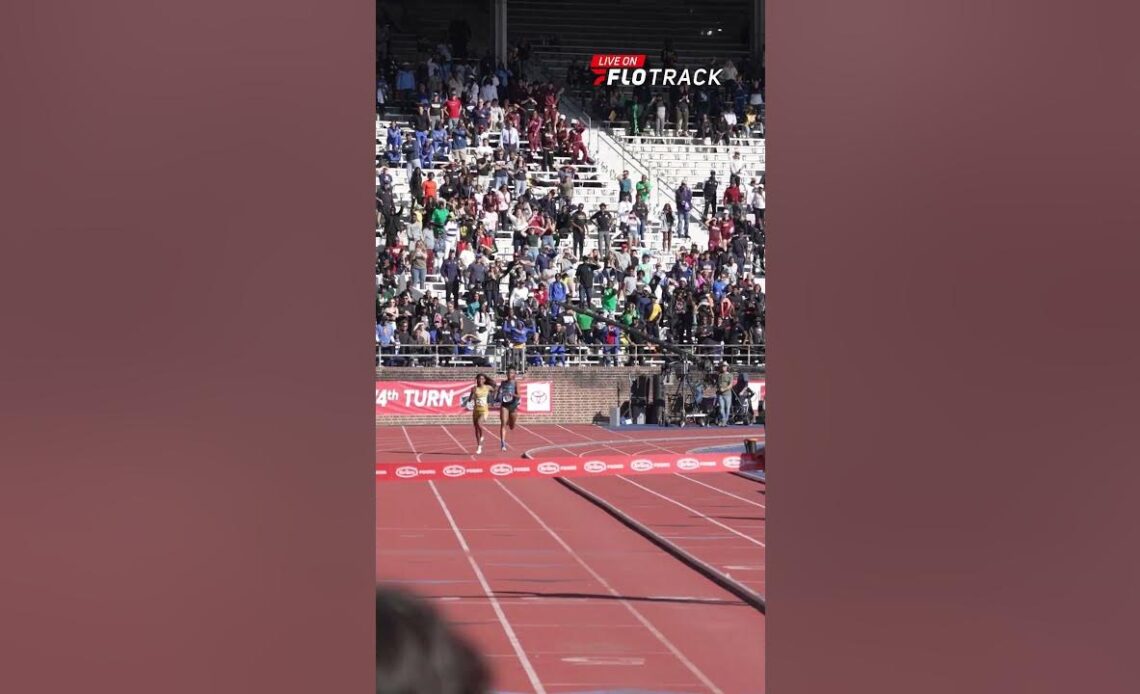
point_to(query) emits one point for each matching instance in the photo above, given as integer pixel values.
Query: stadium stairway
(595, 184)
(675, 159)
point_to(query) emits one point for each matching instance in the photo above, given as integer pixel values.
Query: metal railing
(612, 149)
(609, 153)
(559, 355)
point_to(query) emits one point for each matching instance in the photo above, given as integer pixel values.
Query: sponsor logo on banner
(688, 463)
(564, 466)
(594, 466)
(538, 397)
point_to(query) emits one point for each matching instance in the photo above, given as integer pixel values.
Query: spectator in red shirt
(713, 225)
(727, 228)
(487, 240)
(577, 146)
(550, 102)
(431, 188)
(533, 130)
(454, 108)
(733, 197)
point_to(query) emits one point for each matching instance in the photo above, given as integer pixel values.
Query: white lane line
(655, 445)
(722, 491)
(536, 435)
(691, 510)
(663, 444)
(470, 530)
(457, 443)
(724, 438)
(511, 636)
(588, 438)
(625, 603)
(488, 429)
(410, 445)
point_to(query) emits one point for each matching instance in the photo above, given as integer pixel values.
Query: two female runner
(506, 395)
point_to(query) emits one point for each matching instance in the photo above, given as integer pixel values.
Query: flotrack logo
(616, 68)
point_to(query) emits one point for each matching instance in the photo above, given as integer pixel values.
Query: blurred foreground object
(417, 653)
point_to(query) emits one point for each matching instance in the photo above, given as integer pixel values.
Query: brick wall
(580, 395)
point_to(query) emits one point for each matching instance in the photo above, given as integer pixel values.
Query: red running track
(563, 598)
(402, 445)
(718, 518)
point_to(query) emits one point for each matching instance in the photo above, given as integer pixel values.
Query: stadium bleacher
(734, 271)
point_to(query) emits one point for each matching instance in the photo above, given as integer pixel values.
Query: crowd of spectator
(467, 153)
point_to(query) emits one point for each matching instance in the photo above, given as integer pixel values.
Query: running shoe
(479, 449)
(503, 446)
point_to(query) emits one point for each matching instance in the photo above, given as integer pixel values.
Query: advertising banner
(566, 466)
(447, 397)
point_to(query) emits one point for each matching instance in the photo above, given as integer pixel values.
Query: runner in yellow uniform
(480, 398)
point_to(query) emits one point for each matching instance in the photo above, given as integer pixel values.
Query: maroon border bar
(186, 420)
(186, 417)
(953, 365)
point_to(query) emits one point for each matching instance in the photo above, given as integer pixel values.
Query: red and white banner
(446, 397)
(754, 462)
(513, 468)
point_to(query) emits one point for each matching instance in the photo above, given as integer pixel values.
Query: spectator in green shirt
(439, 218)
(643, 188)
(627, 316)
(609, 299)
(585, 322)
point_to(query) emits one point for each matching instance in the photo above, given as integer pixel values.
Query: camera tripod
(686, 395)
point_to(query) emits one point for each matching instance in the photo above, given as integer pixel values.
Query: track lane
(552, 572)
(690, 611)
(576, 632)
(417, 549)
(429, 443)
(565, 620)
(726, 532)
